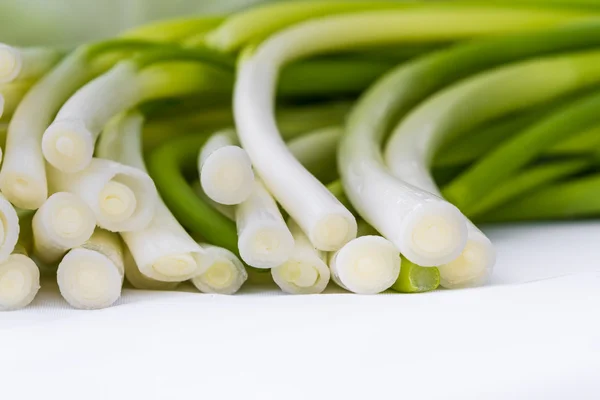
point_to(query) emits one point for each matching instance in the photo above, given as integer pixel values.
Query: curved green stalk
(336, 77)
(402, 89)
(173, 30)
(567, 200)
(167, 165)
(257, 77)
(584, 142)
(527, 181)
(479, 141)
(259, 22)
(416, 279)
(499, 166)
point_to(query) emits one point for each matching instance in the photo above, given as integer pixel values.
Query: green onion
(305, 271)
(577, 198)
(527, 181)
(327, 223)
(225, 170)
(225, 275)
(91, 276)
(166, 165)
(64, 221)
(25, 63)
(264, 240)
(567, 72)
(416, 279)
(260, 22)
(178, 257)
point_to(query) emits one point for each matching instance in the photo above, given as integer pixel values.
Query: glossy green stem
(167, 166)
(527, 181)
(566, 200)
(259, 22)
(416, 279)
(498, 167)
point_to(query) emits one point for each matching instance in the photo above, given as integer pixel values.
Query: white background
(533, 334)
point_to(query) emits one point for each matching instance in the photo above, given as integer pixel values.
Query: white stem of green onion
(225, 275)
(123, 198)
(264, 240)
(225, 169)
(63, 222)
(326, 221)
(68, 143)
(23, 174)
(474, 265)
(141, 281)
(91, 276)
(25, 62)
(19, 282)
(366, 265)
(328, 224)
(305, 271)
(163, 250)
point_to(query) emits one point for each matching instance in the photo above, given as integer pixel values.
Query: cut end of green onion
(266, 245)
(176, 267)
(227, 175)
(10, 63)
(366, 265)
(436, 233)
(333, 231)
(416, 279)
(126, 198)
(225, 275)
(19, 282)
(68, 146)
(473, 267)
(24, 191)
(302, 275)
(64, 220)
(88, 279)
(117, 201)
(141, 281)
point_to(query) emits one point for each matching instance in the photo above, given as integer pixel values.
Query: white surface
(533, 334)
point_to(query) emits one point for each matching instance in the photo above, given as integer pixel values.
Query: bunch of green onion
(296, 143)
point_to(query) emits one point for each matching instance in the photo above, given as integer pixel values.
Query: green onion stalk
(23, 176)
(384, 103)
(326, 222)
(162, 250)
(499, 166)
(443, 115)
(572, 199)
